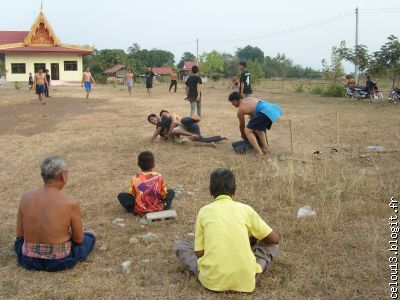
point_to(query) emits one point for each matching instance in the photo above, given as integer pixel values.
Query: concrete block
(161, 215)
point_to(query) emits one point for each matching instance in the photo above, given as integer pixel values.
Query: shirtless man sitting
(87, 80)
(170, 125)
(50, 234)
(262, 114)
(40, 83)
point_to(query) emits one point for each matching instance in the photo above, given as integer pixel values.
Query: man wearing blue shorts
(87, 80)
(40, 83)
(262, 114)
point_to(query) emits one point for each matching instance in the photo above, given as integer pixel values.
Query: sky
(304, 30)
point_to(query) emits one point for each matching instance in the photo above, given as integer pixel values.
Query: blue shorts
(260, 122)
(88, 86)
(129, 83)
(40, 89)
(79, 252)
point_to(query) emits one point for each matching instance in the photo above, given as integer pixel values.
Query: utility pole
(355, 65)
(197, 50)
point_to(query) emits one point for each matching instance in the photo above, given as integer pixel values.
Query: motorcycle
(394, 96)
(361, 93)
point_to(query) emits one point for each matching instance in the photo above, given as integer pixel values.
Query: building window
(39, 66)
(18, 68)
(70, 65)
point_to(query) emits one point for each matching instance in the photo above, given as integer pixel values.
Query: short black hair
(146, 160)
(195, 69)
(163, 111)
(222, 182)
(151, 116)
(235, 96)
(243, 63)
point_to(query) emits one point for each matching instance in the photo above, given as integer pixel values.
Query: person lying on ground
(262, 114)
(50, 235)
(148, 191)
(171, 126)
(233, 245)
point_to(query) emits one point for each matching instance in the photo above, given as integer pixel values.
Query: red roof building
(187, 65)
(162, 70)
(29, 51)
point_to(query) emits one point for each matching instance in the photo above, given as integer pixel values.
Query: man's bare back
(248, 106)
(46, 216)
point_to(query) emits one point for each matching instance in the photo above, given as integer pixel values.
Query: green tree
(212, 64)
(187, 56)
(231, 63)
(151, 58)
(358, 55)
(386, 61)
(250, 53)
(333, 70)
(256, 70)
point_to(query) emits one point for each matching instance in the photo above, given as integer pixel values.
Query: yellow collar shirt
(223, 228)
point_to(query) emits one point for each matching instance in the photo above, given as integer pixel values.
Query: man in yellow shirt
(232, 243)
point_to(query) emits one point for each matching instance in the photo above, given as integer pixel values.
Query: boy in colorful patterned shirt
(148, 191)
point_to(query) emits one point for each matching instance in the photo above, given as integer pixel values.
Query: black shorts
(149, 85)
(260, 122)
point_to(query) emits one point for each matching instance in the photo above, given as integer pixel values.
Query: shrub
(17, 86)
(299, 88)
(335, 90)
(216, 76)
(318, 90)
(100, 78)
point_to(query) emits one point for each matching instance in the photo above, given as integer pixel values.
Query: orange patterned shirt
(149, 190)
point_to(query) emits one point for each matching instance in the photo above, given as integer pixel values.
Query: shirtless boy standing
(87, 80)
(40, 81)
(262, 114)
(129, 80)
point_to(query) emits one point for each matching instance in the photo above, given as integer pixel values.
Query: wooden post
(291, 137)
(337, 129)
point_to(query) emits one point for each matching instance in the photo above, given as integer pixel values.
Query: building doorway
(39, 66)
(55, 72)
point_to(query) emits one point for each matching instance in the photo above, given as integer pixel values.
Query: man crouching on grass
(223, 256)
(262, 114)
(50, 234)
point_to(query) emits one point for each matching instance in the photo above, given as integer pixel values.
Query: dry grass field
(341, 253)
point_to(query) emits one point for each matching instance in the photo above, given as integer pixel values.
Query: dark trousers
(173, 83)
(191, 125)
(79, 252)
(46, 93)
(128, 201)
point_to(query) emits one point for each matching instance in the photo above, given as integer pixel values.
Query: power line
(288, 31)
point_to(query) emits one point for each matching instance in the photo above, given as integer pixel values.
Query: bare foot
(224, 138)
(196, 117)
(193, 137)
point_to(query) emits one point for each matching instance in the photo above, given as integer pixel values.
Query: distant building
(162, 70)
(29, 51)
(116, 73)
(187, 69)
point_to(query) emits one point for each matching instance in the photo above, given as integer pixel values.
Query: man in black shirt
(193, 91)
(149, 80)
(245, 85)
(30, 82)
(47, 85)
